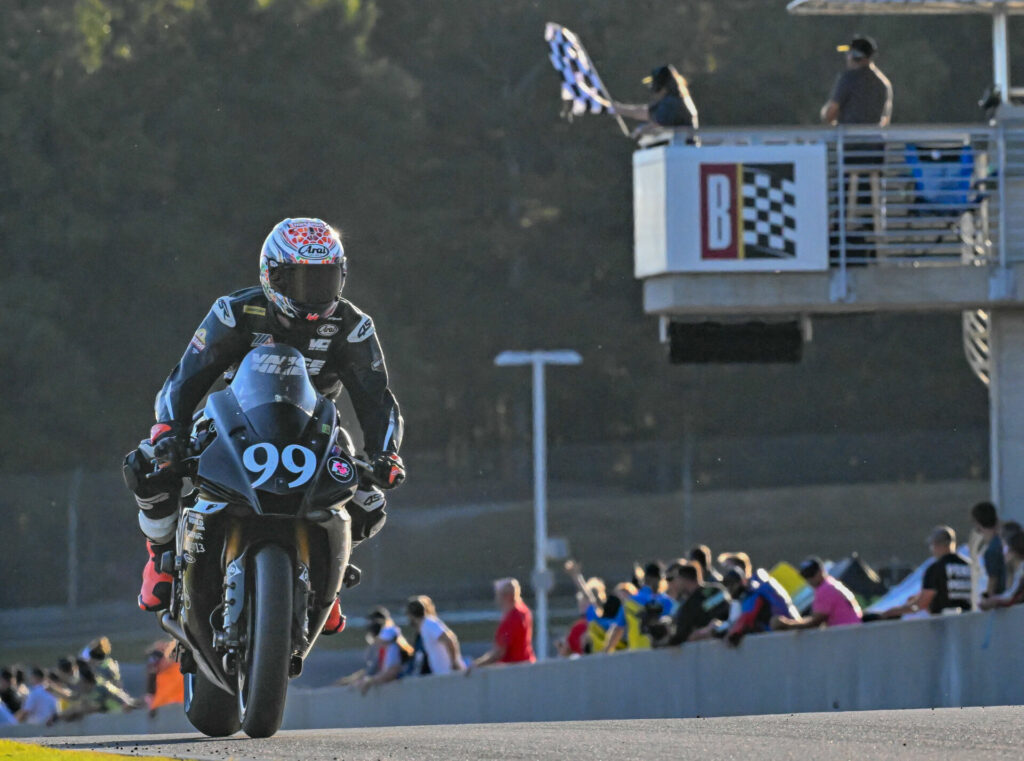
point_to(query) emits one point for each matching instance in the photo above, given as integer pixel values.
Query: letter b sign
(718, 193)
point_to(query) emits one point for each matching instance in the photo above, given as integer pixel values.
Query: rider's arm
(217, 344)
(365, 376)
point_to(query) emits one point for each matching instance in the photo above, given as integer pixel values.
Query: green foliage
(150, 144)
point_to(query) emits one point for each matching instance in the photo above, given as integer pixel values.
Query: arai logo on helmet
(314, 251)
(339, 469)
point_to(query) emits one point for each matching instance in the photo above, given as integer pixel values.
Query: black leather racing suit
(341, 351)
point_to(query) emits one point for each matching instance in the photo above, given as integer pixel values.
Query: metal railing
(903, 196)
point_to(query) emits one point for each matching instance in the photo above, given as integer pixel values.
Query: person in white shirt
(439, 642)
(40, 707)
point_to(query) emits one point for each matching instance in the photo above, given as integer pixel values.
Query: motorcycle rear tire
(261, 699)
(209, 709)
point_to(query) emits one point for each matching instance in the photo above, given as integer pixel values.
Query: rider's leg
(366, 509)
(158, 500)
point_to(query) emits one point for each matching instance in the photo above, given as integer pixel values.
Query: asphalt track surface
(955, 733)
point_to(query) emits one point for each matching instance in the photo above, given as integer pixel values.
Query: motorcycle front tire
(261, 697)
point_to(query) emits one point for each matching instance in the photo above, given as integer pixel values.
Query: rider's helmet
(303, 268)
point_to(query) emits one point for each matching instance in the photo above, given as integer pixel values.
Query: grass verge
(12, 751)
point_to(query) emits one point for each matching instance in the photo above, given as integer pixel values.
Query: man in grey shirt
(862, 94)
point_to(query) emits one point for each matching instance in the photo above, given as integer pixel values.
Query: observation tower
(742, 236)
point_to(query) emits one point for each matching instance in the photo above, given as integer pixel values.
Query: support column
(1006, 412)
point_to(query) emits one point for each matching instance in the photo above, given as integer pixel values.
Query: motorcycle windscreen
(274, 391)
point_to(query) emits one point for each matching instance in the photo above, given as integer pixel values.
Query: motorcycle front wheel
(263, 672)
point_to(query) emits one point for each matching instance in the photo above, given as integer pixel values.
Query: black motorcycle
(262, 543)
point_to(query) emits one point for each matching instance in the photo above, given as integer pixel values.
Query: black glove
(141, 477)
(167, 446)
(387, 470)
(152, 468)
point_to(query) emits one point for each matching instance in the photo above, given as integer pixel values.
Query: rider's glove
(388, 470)
(166, 445)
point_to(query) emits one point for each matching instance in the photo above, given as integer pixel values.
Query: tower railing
(907, 196)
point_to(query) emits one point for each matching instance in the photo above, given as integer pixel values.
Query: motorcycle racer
(298, 303)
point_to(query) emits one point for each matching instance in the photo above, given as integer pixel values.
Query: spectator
(862, 94)
(40, 707)
(700, 603)
(834, 604)
(598, 611)
(987, 552)
(1008, 529)
(66, 685)
(761, 599)
(165, 684)
(6, 717)
(9, 694)
(947, 581)
(671, 104)
(647, 604)
(1014, 594)
(440, 644)
(390, 651)
(587, 599)
(101, 696)
(101, 662)
(514, 637)
(701, 554)
(738, 560)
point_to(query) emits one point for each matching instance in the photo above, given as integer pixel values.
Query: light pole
(542, 580)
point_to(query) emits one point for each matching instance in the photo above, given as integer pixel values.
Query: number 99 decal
(263, 459)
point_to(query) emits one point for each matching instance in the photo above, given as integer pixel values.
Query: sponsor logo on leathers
(223, 311)
(327, 330)
(362, 331)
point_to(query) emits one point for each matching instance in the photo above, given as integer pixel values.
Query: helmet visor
(308, 283)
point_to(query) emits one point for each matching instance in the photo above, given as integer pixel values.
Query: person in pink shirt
(834, 604)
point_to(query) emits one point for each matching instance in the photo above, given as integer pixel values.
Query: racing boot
(156, 586)
(335, 623)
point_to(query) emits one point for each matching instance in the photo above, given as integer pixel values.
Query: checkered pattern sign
(582, 89)
(769, 211)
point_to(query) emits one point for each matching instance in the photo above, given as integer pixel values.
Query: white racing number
(263, 459)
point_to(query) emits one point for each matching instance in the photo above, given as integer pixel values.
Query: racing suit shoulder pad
(247, 301)
(356, 324)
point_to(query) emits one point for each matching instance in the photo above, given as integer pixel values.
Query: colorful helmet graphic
(303, 268)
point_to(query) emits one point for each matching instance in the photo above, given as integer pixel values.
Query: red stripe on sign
(719, 211)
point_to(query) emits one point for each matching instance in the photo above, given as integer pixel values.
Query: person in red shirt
(514, 637)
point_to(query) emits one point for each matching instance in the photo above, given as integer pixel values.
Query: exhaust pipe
(172, 627)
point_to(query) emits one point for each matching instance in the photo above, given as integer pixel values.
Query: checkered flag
(769, 211)
(582, 89)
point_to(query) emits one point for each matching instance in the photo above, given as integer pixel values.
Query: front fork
(231, 638)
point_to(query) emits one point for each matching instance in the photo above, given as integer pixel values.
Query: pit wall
(968, 660)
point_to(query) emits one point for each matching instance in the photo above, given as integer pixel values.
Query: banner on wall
(730, 209)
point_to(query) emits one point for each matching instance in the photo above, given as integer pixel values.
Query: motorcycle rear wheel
(209, 709)
(263, 674)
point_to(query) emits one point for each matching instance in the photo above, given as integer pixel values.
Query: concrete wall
(974, 659)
